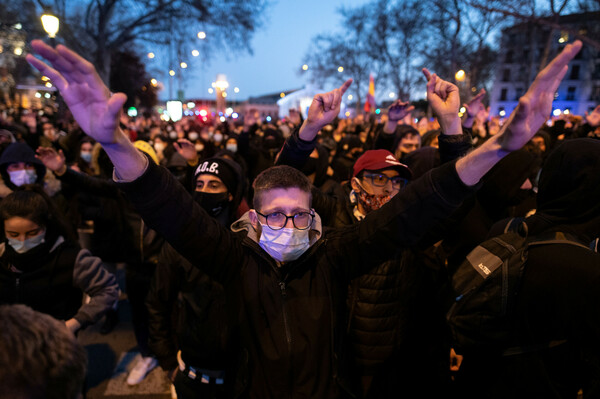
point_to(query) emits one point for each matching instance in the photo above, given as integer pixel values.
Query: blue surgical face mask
(23, 176)
(86, 156)
(284, 245)
(21, 247)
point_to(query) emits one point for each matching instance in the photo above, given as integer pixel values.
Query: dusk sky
(279, 47)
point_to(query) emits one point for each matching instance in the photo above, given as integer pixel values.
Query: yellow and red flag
(370, 102)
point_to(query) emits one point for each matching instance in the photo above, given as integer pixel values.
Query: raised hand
(187, 150)
(535, 106)
(323, 110)
(593, 118)
(398, 110)
(55, 161)
(444, 99)
(88, 98)
(475, 105)
(294, 116)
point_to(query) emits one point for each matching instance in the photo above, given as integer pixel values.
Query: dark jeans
(137, 281)
(194, 389)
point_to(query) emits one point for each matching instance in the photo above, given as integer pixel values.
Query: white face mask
(218, 137)
(23, 176)
(231, 147)
(193, 136)
(159, 147)
(284, 245)
(21, 247)
(173, 135)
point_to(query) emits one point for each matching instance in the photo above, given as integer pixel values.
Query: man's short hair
(281, 176)
(39, 356)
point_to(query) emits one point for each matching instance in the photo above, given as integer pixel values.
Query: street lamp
(50, 24)
(460, 76)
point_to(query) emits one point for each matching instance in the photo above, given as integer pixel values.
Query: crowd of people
(302, 257)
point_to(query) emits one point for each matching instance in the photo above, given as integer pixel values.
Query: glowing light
(222, 119)
(201, 35)
(392, 95)
(462, 110)
(460, 75)
(556, 112)
(378, 111)
(38, 95)
(566, 111)
(132, 112)
(191, 104)
(341, 69)
(172, 72)
(236, 89)
(347, 113)
(48, 84)
(224, 94)
(473, 89)
(47, 95)
(229, 111)
(203, 112)
(165, 117)
(235, 115)
(195, 53)
(221, 82)
(502, 112)
(350, 97)
(18, 51)
(18, 26)
(305, 67)
(183, 65)
(50, 24)
(151, 55)
(268, 118)
(561, 40)
(282, 95)
(45, 78)
(210, 91)
(154, 82)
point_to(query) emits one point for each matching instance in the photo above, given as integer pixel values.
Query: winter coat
(55, 278)
(291, 315)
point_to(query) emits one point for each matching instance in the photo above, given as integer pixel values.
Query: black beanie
(220, 168)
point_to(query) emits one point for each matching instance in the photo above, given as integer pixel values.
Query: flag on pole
(370, 102)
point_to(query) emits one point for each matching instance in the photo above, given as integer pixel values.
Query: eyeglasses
(380, 180)
(278, 220)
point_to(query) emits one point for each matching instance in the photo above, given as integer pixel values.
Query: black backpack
(486, 286)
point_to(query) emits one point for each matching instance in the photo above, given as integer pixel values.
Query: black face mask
(212, 203)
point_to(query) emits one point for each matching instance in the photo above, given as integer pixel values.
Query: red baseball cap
(379, 160)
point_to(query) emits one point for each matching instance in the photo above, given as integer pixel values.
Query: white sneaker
(141, 369)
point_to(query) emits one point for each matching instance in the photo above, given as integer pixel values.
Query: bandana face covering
(371, 202)
(284, 245)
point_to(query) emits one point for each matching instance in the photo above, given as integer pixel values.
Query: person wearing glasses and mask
(289, 304)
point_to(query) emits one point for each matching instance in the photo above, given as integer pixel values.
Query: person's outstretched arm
(93, 106)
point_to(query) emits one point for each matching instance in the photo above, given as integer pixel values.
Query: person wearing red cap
(377, 176)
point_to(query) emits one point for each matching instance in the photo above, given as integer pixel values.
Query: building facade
(523, 47)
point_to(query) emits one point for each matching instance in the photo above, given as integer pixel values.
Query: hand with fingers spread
(88, 98)
(92, 105)
(473, 108)
(535, 106)
(593, 118)
(323, 110)
(55, 161)
(444, 99)
(187, 150)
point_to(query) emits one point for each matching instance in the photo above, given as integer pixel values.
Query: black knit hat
(221, 168)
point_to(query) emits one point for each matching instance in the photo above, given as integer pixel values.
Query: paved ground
(111, 356)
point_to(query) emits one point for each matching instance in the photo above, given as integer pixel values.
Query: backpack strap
(517, 225)
(557, 237)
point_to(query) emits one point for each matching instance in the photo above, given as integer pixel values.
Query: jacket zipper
(285, 317)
